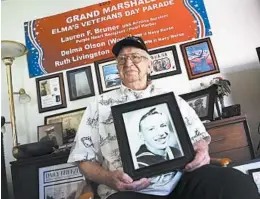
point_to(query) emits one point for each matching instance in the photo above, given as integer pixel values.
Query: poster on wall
(85, 35)
(60, 181)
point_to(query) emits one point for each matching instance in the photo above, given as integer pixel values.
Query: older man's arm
(202, 157)
(198, 134)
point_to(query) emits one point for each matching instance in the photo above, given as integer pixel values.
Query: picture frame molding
(88, 71)
(176, 62)
(186, 60)
(62, 93)
(124, 147)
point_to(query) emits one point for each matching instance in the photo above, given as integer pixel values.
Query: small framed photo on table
(107, 75)
(202, 102)
(199, 58)
(152, 136)
(165, 62)
(50, 132)
(255, 173)
(80, 83)
(50, 93)
(70, 122)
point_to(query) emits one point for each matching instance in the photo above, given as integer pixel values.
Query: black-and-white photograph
(65, 190)
(80, 83)
(151, 133)
(200, 105)
(70, 122)
(52, 132)
(203, 102)
(152, 136)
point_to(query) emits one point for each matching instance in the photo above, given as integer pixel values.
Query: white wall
(236, 34)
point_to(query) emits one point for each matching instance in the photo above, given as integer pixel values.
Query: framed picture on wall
(70, 122)
(152, 125)
(165, 62)
(203, 102)
(107, 75)
(50, 132)
(50, 93)
(199, 58)
(80, 83)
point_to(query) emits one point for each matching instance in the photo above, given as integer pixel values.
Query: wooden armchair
(91, 189)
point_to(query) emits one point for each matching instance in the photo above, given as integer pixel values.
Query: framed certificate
(50, 93)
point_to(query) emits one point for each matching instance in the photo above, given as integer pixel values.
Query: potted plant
(223, 88)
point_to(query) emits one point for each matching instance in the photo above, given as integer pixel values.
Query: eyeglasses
(135, 58)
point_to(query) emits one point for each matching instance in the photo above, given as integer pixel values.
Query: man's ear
(140, 135)
(150, 66)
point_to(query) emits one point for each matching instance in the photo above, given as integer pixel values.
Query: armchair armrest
(87, 195)
(224, 162)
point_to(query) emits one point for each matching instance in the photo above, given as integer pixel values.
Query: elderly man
(100, 160)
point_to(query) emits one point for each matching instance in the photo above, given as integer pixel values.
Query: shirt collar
(137, 93)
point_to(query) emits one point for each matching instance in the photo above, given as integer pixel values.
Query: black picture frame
(109, 81)
(165, 62)
(255, 173)
(50, 93)
(86, 81)
(179, 138)
(70, 122)
(57, 135)
(206, 97)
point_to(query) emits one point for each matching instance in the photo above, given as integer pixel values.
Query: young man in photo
(155, 132)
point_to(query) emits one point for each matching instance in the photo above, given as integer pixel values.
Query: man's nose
(128, 61)
(162, 133)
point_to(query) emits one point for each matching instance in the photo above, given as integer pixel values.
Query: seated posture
(97, 154)
(155, 132)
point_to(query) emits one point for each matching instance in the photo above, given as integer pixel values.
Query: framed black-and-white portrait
(107, 75)
(50, 92)
(70, 122)
(50, 132)
(152, 136)
(202, 102)
(165, 62)
(80, 83)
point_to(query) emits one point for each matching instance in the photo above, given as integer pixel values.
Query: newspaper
(63, 181)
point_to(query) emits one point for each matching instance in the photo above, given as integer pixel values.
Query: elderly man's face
(129, 70)
(155, 131)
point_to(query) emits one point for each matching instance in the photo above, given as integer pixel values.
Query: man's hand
(201, 158)
(120, 181)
